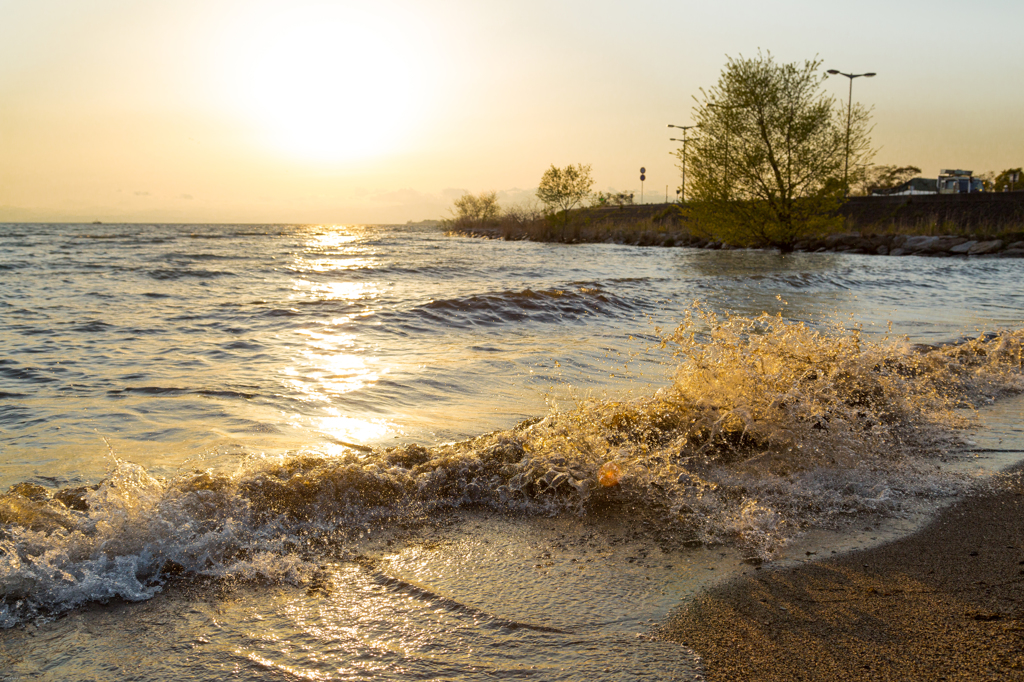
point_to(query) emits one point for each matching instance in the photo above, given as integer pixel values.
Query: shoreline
(945, 603)
(870, 244)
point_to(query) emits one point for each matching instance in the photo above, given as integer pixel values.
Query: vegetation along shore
(979, 225)
(771, 161)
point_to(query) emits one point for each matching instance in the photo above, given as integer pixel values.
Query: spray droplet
(609, 474)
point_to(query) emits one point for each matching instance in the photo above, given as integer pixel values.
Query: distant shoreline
(942, 245)
(987, 225)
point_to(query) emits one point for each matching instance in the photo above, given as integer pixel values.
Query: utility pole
(682, 189)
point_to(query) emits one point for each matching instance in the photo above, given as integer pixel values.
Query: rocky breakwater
(916, 245)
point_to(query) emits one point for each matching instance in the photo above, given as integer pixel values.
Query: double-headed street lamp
(682, 188)
(849, 113)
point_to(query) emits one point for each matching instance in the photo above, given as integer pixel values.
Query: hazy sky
(384, 111)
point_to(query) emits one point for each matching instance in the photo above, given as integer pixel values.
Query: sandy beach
(946, 603)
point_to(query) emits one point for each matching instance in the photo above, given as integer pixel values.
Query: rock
(897, 252)
(947, 243)
(836, 241)
(927, 244)
(1015, 245)
(981, 248)
(918, 243)
(1012, 253)
(963, 248)
(898, 241)
(882, 250)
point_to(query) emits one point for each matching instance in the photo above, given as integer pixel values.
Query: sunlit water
(247, 397)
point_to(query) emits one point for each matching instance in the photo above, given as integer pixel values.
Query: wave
(768, 428)
(166, 274)
(556, 305)
(176, 390)
(541, 305)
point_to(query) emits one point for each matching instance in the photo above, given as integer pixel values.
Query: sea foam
(770, 427)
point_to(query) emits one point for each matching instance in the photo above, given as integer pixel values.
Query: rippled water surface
(175, 341)
(215, 405)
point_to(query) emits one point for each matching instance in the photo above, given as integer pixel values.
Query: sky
(317, 111)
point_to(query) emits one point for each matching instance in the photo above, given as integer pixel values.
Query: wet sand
(946, 603)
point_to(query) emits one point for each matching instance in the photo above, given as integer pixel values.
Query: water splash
(769, 427)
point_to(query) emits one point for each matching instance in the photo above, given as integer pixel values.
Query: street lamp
(682, 189)
(849, 113)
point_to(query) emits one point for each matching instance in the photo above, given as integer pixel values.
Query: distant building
(948, 182)
(959, 182)
(915, 186)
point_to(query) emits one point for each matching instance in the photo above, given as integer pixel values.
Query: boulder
(897, 252)
(963, 248)
(1015, 245)
(947, 243)
(981, 248)
(928, 244)
(837, 241)
(882, 250)
(918, 243)
(1012, 253)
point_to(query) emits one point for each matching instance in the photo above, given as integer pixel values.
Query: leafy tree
(475, 211)
(765, 167)
(988, 180)
(562, 189)
(619, 199)
(1003, 180)
(880, 179)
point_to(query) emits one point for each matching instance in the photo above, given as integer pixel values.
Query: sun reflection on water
(329, 363)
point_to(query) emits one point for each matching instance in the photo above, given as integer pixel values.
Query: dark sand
(946, 603)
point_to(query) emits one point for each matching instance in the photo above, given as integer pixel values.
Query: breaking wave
(769, 427)
(543, 305)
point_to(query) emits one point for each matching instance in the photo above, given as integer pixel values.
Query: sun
(323, 82)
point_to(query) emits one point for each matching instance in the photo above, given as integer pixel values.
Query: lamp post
(682, 189)
(849, 114)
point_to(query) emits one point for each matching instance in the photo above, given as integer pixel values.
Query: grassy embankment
(873, 221)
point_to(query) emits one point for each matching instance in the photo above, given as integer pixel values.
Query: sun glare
(323, 83)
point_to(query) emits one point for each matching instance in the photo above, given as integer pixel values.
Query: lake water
(342, 452)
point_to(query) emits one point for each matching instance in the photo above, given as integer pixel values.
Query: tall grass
(579, 227)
